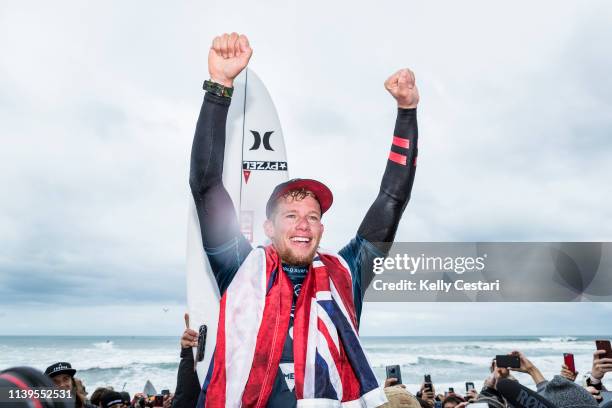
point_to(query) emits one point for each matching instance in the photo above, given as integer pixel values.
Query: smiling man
(293, 309)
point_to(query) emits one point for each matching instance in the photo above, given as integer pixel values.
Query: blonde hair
(297, 194)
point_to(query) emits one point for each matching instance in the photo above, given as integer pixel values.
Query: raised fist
(228, 56)
(403, 88)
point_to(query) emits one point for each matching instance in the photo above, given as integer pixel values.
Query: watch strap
(218, 89)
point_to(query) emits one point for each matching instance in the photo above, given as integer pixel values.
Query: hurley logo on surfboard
(258, 139)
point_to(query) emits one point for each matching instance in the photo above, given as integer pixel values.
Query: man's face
(295, 229)
(63, 381)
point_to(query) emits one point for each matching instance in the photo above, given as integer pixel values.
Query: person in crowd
(423, 403)
(565, 393)
(471, 395)
(452, 401)
(80, 388)
(97, 394)
(601, 366)
(187, 382)
(126, 397)
(559, 391)
(489, 393)
(139, 400)
(428, 395)
(27, 378)
(62, 375)
(112, 399)
(399, 397)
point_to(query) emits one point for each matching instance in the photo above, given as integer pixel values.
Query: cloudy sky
(98, 102)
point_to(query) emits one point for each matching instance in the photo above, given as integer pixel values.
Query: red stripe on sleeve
(398, 158)
(398, 141)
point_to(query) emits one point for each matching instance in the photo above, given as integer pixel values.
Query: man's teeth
(300, 239)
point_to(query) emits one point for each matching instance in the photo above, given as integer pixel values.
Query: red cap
(323, 194)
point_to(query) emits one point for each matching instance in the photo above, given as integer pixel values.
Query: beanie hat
(110, 399)
(567, 394)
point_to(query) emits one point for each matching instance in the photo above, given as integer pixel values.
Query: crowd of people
(562, 391)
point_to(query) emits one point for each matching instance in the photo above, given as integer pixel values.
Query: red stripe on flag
(333, 350)
(398, 141)
(215, 397)
(398, 158)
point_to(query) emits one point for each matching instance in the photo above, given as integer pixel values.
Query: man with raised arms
(293, 309)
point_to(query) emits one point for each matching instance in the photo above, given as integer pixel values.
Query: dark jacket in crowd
(187, 384)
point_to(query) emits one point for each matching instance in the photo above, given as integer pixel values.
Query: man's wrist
(402, 106)
(594, 380)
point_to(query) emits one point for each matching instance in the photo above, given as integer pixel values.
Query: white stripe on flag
(244, 306)
(317, 264)
(311, 349)
(324, 295)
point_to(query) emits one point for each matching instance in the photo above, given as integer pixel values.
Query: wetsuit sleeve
(380, 223)
(223, 242)
(187, 384)
(378, 228)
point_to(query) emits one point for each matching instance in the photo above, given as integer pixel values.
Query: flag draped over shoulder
(331, 368)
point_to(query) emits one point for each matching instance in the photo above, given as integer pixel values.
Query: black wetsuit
(226, 247)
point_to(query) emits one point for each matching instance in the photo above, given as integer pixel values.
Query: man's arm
(227, 57)
(381, 221)
(187, 384)
(378, 228)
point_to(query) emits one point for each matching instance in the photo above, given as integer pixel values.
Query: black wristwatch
(218, 89)
(597, 386)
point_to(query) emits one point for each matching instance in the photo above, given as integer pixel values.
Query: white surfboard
(255, 162)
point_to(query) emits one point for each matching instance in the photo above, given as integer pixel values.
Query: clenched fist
(403, 88)
(228, 56)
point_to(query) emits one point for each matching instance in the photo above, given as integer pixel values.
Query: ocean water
(128, 362)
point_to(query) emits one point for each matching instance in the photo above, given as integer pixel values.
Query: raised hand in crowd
(567, 373)
(391, 382)
(471, 395)
(168, 400)
(601, 365)
(190, 337)
(428, 395)
(139, 396)
(496, 374)
(528, 367)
